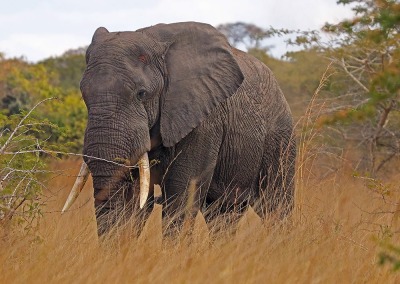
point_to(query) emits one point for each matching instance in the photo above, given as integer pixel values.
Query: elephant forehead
(126, 43)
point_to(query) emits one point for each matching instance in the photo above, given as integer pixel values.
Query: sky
(38, 29)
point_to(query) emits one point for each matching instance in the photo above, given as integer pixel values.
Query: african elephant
(212, 116)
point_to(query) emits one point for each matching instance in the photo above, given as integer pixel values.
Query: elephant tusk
(144, 179)
(77, 188)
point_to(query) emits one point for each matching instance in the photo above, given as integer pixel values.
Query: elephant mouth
(144, 180)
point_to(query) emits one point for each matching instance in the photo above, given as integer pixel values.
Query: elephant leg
(235, 181)
(221, 218)
(277, 176)
(189, 174)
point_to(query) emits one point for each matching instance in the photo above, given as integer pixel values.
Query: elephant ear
(99, 33)
(201, 72)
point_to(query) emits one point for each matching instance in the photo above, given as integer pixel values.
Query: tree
(250, 35)
(23, 84)
(31, 132)
(69, 68)
(22, 167)
(364, 105)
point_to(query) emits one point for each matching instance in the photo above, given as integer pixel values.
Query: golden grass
(333, 237)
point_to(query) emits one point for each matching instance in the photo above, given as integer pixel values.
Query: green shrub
(23, 166)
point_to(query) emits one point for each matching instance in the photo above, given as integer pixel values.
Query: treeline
(22, 85)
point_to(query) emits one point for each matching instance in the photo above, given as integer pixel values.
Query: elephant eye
(141, 95)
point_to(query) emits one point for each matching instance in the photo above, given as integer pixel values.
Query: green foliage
(24, 83)
(375, 20)
(23, 167)
(69, 69)
(370, 42)
(363, 95)
(366, 52)
(31, 134)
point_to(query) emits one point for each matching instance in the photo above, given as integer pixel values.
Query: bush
(23, 166)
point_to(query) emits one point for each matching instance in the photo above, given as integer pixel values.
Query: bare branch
(383, 119)
(69, 154)
(343, 64)
(20, 124)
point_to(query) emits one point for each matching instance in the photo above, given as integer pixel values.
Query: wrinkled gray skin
(209, 113)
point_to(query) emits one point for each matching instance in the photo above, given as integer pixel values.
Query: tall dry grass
(334, 238)
(335, 235)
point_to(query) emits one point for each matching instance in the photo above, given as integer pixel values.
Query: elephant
(212, 117)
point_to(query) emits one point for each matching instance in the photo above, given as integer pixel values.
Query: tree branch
(343, 64)
(20, 124)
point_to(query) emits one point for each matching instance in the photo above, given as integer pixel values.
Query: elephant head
(149, 88)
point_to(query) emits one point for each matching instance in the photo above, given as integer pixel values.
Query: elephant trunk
(116, 138)
(117, 135)
(144, 179)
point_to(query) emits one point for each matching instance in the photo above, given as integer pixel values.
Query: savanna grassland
(340, 226)
(345, 99)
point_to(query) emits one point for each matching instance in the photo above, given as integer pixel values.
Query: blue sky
(36, 29)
